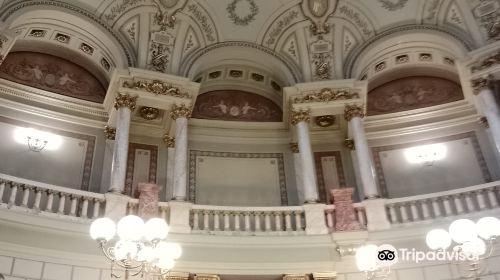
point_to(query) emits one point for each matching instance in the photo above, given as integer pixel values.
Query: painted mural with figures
(412, 93)
(234, 105)
(53, 74)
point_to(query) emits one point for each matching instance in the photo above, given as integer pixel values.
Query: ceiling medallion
(149, 113)
(238, 20)
(393, 6)
(324, 121)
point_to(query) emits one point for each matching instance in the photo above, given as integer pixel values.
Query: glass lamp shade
(438, 239)
(166, 263)
(366, 258)
(155, 229)
(125, 249)
(146, 254)
(474, 248)
(168, 250)
(488, 227)
(102, 228)
(130, 227)
(463, 230)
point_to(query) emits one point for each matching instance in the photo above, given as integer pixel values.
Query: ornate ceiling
(296, 40)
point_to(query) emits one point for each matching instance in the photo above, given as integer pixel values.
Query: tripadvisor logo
(388, 255)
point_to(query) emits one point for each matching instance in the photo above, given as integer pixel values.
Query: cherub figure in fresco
(37, 72)
(247, 108)
(64, 79)
(222, 107)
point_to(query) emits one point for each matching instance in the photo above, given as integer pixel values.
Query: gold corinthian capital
(479, 84)
(125, 100)
(300, 116)
(351, 111)
(180, 111)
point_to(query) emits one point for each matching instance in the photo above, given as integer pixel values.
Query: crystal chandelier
(375, 262)
(474, 242)
(140, 247)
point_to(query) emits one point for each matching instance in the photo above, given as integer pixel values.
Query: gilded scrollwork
(149, 113)
(300, 116)
(324, 121)
(349, 143)
(156, 87)
(351, 111)
(180, 111)
(294, 147)
(109, 132)
(125, 100)
(169, 141)
(326, 95)
(480, 84)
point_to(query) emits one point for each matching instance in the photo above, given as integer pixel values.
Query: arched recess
(241, 53)
(83, 23)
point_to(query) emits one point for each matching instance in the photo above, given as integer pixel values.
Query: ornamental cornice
(489, 61)
(326, 95)
(125, 100)
(300, 116)
(157, 87)
(351, 111)
(180, 111)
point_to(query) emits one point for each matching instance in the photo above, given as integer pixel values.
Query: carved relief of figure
(37, 72)
(246, 108)
(222, 107)
(64, 79)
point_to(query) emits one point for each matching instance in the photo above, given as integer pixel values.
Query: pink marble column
(345, 215)
(148, 200)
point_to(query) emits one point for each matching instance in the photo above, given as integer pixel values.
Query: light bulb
(474, 249)
(102, 228)
(125, 249)
(166, 263)
(130, 228)
(146, 254)
(488, 227)
(463, 230)
(155, 229)
(438, 239)
(366, 258)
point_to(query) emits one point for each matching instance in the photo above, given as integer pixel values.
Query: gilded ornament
(169, 141)
(484, 122)
(326, 95)
(294, 147)
(157, 87)
(351, 111)
(480, 84)
(324, 121)
(109, 132)
(149, 113)
(300, 116)
(487, 62)
(125, 100)
(349, 143)
(181, 111)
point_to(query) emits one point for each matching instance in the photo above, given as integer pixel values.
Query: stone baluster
(216, 220)
(361, 216)
(277, 221)
(97, 207)
(196, 219)
(227, 225)
(180, 115)
(309, 184)
(298, 220)
(288, 221)
(404, 213)
(74, 200)
(392, 214)
(247, 221)
(492, 197)
(13, 193)
(481, 201)
(329, 218)
(62, 201)
(85, 208)
(469, 203)
(2, 190)
(124, 105)
(26, 195)
(38, 198)
(267, 221)
(482, 88)
(447, 206)
(425, 209)
(435, 207)
(206, 220)
(457, 199)
(164, 213)
(414, 211)
(236, 216)
(50, 201)
(257, 221)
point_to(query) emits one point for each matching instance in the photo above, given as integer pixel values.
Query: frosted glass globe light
(366, 258)
(474, 248)
(438, 239)
(463, 230)
(166, 263)
(130, 227)
(146, 254)
(102, 228)
(488, 227)
(155, 229)
(173, 250)
(125, 249)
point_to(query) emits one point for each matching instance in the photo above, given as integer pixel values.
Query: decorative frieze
(488, 62)
(326, 95)
(109, 132)
(180, 111)
(479, 84)
(125, 100)
(156, 87)
(294, 147)
(169, 141)
(300, 116)
(351, 111)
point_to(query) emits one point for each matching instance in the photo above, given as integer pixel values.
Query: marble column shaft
(309, 182)
(120, 150)
(298, 175)
(363, 156)
(180, 166)
(170, 173)
(491, 111)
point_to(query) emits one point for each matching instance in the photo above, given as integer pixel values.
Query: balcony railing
(330, 216)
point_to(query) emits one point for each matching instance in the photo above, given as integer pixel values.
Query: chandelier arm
(123, 264)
